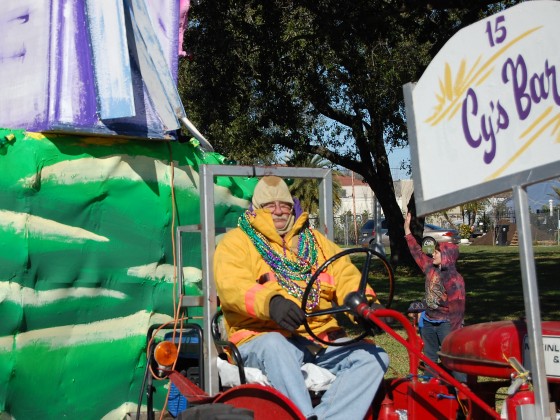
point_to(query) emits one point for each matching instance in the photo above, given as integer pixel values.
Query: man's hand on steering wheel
(286, 313)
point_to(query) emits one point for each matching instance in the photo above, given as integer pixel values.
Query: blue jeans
(359, 370)
(433, 334)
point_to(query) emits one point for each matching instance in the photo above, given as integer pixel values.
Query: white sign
(551, 347)
(485, 115)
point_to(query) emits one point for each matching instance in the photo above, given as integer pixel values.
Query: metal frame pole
(211, 380)
(325, 205)
(208, 228)
(532, 307)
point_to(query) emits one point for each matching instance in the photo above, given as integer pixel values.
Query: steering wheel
(353, 299)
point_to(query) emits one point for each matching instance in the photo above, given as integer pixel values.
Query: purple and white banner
(72, 66)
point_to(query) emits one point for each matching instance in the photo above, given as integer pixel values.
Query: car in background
(368, 233)
(431, 235)
(368, 229)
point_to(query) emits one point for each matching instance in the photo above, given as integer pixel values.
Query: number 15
(498, 34)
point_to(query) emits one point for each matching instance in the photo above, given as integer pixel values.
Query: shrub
(465, 231)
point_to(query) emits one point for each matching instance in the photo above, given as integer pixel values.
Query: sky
(540, 194)
(395, 159)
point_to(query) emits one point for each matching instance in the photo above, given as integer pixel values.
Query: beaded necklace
(288, 271)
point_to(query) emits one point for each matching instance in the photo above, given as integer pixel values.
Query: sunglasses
(284, 207)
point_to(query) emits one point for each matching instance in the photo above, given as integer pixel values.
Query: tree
(308, 192)
(321, 77)
(472, 209)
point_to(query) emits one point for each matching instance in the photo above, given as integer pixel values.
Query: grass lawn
(494, 289)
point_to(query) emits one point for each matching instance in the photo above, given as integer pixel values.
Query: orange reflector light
(165, 353)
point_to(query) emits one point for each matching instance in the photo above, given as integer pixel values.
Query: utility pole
(558, 225)
(378, 232)
(354, 211)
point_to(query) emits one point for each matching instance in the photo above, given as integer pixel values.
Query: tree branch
(322, 151)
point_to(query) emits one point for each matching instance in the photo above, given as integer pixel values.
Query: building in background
(358, 197)
(358, 201)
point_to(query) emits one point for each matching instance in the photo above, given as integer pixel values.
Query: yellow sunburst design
(553, 121)
(452, 89)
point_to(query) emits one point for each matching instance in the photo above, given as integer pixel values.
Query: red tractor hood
(484, 349)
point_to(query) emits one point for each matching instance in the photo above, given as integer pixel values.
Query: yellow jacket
(245, 291)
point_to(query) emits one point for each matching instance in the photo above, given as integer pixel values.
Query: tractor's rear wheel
(216, 412)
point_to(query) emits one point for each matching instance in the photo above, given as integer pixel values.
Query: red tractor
(489, 350)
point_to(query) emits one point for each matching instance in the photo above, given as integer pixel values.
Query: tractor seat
(317, 379)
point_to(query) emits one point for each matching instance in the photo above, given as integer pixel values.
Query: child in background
(444, 294)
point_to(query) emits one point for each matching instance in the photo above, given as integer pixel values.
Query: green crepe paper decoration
(87, 265)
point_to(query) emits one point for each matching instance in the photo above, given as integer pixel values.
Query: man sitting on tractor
(261, 271)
